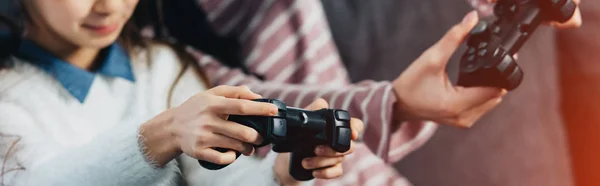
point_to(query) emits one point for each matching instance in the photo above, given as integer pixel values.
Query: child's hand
(424, 91)
(200, 124)
(328, 161)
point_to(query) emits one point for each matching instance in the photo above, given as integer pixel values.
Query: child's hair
(130, 38)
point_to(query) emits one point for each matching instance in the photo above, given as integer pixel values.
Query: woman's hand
(424, 91)
(200, 124)
(328, 162)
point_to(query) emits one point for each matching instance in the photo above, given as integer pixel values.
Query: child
(78, 107)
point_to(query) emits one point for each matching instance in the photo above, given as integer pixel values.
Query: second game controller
(489, 60)
(297, 131)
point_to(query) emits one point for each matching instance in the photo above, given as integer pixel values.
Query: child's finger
(321, 162)
(328, 152)
(329, 173)
(214, 156)
(235, 130)
(317, 104)
(238, 92)
(231, 106)
(357, 127)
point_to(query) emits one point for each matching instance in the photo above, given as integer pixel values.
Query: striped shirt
(290, 43)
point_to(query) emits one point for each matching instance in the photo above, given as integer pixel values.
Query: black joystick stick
(297, 131)
(488, 60)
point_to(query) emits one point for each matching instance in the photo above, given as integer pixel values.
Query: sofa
(580, 81)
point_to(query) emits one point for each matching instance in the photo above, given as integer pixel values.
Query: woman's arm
(113, 158)
(283, 41)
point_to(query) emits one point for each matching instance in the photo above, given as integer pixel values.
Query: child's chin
(100, 42)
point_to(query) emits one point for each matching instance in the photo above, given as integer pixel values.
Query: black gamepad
(488, 60)
(297, 131)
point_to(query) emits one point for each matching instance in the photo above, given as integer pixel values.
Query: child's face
(83, 23)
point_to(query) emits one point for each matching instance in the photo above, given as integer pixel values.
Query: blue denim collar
(114, 62)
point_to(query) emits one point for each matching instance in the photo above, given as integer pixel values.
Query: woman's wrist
(400, 113)
(159, 143)
(282, 170)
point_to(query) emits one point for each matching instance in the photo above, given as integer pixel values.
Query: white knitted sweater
(50, 138)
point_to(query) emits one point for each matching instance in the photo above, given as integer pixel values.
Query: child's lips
(102, 29)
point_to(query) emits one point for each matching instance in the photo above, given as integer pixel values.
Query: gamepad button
(515, 78)
(513, 8)
(471, 58)
(279, 127)
(280, 105)
(496, 52)
(344, 136)
(482, 45)
(479, 28)
(496, 30)
(505, 63)
(469, 68)
(471, 51)
(482, 52)
(342, 115)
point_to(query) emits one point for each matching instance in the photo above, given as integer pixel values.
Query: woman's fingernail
(469, 17)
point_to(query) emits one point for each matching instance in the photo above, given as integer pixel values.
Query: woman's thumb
(446, 46)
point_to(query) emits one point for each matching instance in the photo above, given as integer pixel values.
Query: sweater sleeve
(113, 158)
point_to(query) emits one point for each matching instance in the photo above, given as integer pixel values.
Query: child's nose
(109, 6)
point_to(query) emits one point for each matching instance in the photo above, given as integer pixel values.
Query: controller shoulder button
(280, 105)
(344, 135)
(342, 115)
(279, 127)
(506, 63)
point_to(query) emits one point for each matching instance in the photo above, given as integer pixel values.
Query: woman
(266, 28)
